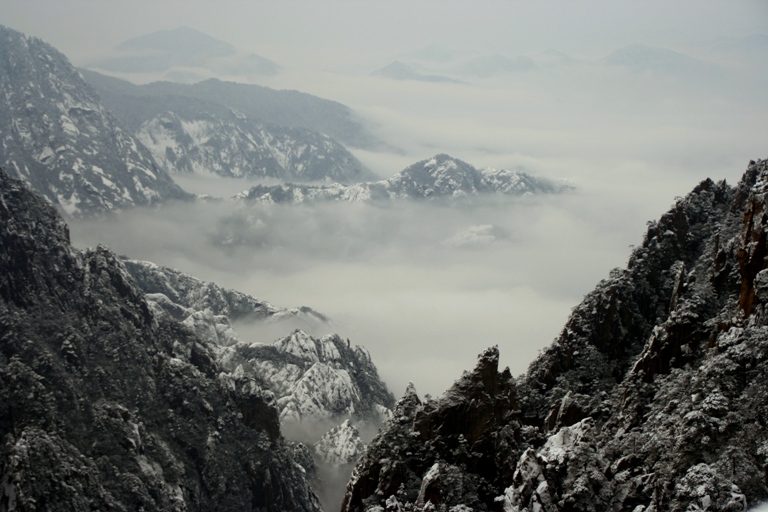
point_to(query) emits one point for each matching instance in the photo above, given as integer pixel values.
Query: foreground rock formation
(654, 396)
(105, 405)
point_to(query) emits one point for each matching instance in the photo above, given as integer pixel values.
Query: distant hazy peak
(180, 39)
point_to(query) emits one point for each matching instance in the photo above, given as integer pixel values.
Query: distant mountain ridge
(643, 58)
(204, 142)
(439, 177)
(183, 54)
(57, 136)
(135, 104)
(398, 70)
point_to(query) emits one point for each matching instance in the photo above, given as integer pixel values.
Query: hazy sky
(630, 139)
(366, 29)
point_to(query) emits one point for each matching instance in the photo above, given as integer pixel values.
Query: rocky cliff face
(58, 137)
(106, 406)
(439, 177)
(652, 398)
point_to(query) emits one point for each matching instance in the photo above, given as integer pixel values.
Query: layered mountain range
(652, 398)
(442, 176)
(136, 104)
(57, 136)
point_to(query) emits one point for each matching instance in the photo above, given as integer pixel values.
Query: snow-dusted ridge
(168, 286)
(217, 141)
(439, 177)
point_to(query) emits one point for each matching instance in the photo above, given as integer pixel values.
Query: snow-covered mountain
(324, 388)
(653, 397)
(229, 143)
(182, 54)
(57, 136)
(105, 405)
(136, 104)
(315, 379)
(439, 177)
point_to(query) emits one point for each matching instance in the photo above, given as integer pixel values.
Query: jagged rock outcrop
(106, 406)
(652, 398)
(341, 445)
(439, 177)
(451, 451)
(56, 135)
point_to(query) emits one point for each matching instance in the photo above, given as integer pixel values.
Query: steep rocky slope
(654, 396)
(56, 135)
(325, 389)
(439, 177)
(107, 406)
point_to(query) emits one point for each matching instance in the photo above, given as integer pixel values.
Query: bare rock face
(106, 406)
(652, 398)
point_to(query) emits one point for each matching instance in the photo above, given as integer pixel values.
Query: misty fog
(425, 287)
